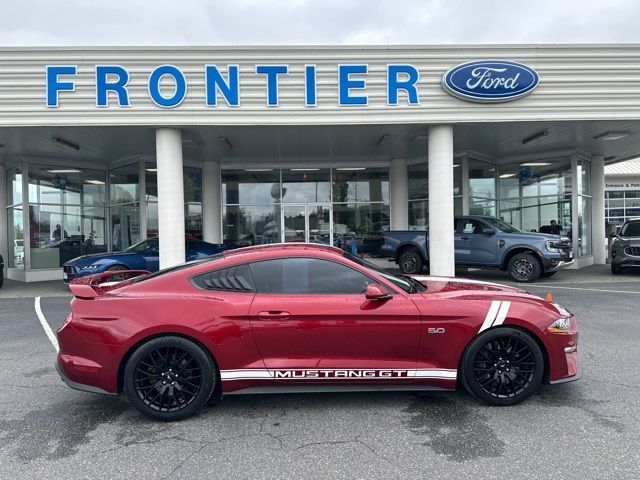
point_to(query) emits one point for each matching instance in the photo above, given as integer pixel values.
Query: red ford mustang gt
(304, 318)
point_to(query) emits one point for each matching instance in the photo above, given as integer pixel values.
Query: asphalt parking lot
(585, 429)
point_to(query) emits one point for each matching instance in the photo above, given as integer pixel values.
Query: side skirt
(338, 388)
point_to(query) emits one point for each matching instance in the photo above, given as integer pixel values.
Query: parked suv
(486, 242)
(625, 248)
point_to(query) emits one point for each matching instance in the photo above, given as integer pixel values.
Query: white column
(170, 196)
(441, 246)
(399, 194)
(597, 210)
(3, 216)
(211, 202)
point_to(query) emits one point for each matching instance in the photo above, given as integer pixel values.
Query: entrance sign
(490, 81)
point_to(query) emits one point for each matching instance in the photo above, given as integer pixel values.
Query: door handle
(273, 315)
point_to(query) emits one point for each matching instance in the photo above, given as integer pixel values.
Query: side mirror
(377, 292)
(488, 231)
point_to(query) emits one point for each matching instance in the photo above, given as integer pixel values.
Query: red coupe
(305, 318)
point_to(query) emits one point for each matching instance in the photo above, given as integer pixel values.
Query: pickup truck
(485, 242)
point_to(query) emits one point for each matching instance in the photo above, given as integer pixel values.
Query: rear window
(175, 268)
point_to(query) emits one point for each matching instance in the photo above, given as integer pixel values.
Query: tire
(615, 270)
(524, 267)
(548, 274)
(169, 378)
(488, 371)
(410, 261)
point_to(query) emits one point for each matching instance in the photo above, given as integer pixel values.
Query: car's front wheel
(524, 267)
(410, 262)
(169, 378)
(502, 366)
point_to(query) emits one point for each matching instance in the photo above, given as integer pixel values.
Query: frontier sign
(167, 85)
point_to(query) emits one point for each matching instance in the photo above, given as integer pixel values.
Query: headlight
(553, 246)
(561, 325)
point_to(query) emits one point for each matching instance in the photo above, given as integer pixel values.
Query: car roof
(283, 247)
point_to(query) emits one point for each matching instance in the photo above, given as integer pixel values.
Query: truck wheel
(410, 262)
(524, 267)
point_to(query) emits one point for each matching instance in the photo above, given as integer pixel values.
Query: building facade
(103, 147)
(622, 192)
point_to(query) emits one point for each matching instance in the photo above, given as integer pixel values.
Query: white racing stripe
(346, 374)
(496, 315)
(45, 326)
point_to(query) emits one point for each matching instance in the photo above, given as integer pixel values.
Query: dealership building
(103, 147)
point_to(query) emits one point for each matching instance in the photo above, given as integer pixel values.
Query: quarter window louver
(235, 279)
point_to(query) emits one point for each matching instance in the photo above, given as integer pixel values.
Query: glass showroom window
(66, 214)
(482, 188)
(15, 220)
(622, 205)
(360, 205)
(535, 192)
(192, 178)
(418, 179)
(251, 206)
(584, 207)
(124, 206)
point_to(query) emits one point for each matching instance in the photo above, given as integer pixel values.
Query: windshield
(407, 284)
(143, 246)
(631, 229)
(501, 225)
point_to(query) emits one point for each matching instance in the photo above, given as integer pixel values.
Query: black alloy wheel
(524, 267)
(503, 366)
(410, 262)
(169, 378)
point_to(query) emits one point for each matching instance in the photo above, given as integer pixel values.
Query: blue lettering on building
(179, 81)
(346, 84)
(111, 78)
(56, 85)
(229, 88)
(479, 81)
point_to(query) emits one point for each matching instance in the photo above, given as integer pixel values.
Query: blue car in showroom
(143, 255)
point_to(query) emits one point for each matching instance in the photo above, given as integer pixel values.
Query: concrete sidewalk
(593, 274)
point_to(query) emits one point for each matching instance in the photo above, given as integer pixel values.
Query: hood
(537, 236)
(447, 284)
(93, 258)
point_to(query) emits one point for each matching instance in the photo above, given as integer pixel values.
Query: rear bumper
(79, 386)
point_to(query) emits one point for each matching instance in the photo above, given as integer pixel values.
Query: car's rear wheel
(410, 261)
(116, 268)
(524, 267)
(169, 378)
(502, 366)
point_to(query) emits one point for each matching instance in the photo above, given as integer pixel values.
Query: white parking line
(45, 325)
(548, 286)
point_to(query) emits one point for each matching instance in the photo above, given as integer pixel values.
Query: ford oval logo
(490, 81)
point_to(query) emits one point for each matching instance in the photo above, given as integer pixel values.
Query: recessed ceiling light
(304, 169)
(457, 165)
(351, 169)
(65, 170)
(258, 169)
(507, 175)
(95, 182)
(151, 169)
(611, 135)
(535, 164)
(535, 136)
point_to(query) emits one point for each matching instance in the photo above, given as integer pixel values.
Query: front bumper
(572, 378)
(559, 266)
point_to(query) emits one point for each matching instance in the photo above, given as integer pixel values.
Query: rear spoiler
(93, 286)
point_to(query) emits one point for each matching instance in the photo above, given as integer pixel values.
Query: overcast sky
(264, 22)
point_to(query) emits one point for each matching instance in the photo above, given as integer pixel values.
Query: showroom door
(307, 222)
